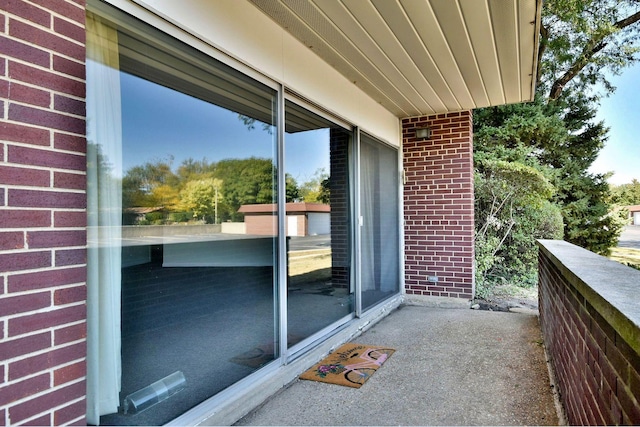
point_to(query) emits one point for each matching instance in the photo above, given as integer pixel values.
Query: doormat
(350, 365)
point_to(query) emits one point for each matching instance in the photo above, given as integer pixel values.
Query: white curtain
(389, 219)
(368, 176)
(378, 200)
(104, 213)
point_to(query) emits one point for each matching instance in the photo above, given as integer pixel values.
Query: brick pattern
(598, 373)
(438, 205)
(339, 184)
(261, 225)
(266, 224)
(42, 212)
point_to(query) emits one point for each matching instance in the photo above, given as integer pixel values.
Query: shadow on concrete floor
(451, 367)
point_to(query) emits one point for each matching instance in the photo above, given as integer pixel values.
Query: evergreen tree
(581, 42)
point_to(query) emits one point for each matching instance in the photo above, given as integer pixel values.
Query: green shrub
(512, 211)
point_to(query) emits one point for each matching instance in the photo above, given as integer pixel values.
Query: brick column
(339, 184)
(42, 212)
(438, 206)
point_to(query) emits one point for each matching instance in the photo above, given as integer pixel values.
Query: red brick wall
(438, 205)
(597, 371)
(302, 226)
(261, 225)
(42, 212)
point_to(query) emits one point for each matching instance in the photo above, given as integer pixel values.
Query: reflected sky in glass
(159, 123)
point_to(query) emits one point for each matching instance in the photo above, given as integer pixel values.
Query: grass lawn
(626, 256)
(309, 266)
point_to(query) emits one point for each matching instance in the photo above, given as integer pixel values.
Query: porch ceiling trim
(421, 57)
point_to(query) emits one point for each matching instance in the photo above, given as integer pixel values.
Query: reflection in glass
(319, 288)
(196, 288)
(379, 242)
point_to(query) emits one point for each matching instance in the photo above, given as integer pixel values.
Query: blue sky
(160, 123)
(621, 113)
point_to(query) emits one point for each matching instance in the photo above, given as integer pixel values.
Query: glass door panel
(181, 278)
(319, 288)
(379, 232)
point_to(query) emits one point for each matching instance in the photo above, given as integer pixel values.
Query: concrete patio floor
(451, 367)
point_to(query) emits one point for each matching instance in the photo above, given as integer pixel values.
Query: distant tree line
(211, 192)
(626, 194)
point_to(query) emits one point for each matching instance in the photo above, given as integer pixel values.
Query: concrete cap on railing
(613, 289)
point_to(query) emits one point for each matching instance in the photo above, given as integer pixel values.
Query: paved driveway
(630, 237)
(308, 243)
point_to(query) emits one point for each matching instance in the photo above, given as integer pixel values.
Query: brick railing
(590, 320)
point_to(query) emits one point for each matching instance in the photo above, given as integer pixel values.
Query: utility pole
(215, 204)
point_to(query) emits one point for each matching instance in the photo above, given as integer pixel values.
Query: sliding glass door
(379, 222)
(220, 224)
(181, 294)
(319, 287)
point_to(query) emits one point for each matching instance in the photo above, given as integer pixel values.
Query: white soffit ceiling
(418, 57)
